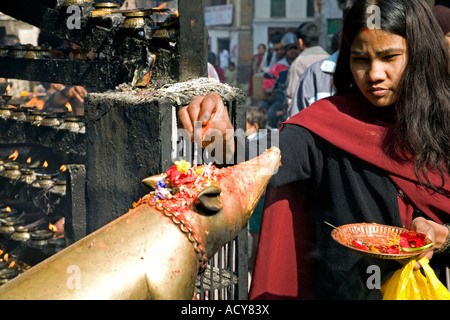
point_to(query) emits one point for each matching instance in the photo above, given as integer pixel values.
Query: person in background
(68, 94)
(60, 94)
(258, 58)
(255, 67)
(442, 15)
(317, 81)
(375, 152)
(231, 74)
(276, 54)
(224, 58)
(212, 59)
(308, 40)
(276, 86)
(72, 94)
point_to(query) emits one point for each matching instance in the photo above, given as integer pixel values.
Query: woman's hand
(75, 92)
(436, 232)
(206, 118)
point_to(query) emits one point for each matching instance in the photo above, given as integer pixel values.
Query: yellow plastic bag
(409, 284)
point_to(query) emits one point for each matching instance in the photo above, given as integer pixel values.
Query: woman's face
(261, 50)
(377, 61)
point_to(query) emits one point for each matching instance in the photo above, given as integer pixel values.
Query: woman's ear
(301, 44)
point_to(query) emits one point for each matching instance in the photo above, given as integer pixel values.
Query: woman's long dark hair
(421, 130)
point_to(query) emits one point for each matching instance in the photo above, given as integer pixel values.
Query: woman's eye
(359, 59)
(390, 57)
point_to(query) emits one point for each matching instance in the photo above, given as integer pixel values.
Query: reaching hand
(75, 92)
(205, 117)
(437, 233)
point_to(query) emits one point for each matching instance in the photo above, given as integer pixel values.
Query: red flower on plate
(412, 239)
(390, 249)
(359, 245)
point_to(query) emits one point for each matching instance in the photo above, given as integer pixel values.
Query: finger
(185, 120)
(188, 115)
(74, 93)
(57, 86)
(212, 103)
(80, 92)
(194, 108)
(77, 96)
(421, 225)
(427, 255)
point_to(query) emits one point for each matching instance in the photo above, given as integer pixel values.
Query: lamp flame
(68, 106)
(45, 165)
(29, 160)
(8, 88)
(35, 102)
(63, 168)
(161, 6)
(52, 227)
(14, 155)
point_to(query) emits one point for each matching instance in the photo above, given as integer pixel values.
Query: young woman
(378, 151)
